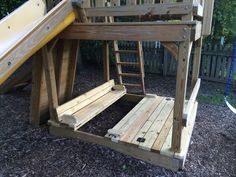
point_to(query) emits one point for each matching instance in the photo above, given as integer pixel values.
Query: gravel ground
(28, 151)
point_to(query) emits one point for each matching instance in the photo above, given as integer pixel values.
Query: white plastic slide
(29, 28)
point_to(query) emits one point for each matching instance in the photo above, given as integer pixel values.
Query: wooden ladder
(139, 63)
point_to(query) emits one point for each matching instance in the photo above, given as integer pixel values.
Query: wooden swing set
(158, 129)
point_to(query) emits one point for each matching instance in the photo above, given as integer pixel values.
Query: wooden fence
(215, 63)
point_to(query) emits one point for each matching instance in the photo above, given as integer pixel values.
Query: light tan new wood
(189, 109)
(186, 138)
(149, 123)
(196, 61)
(163, 134)
(69, 106)
(125, 122)
(140, 121)
(157, 125)
(151, 157)
(87, 113)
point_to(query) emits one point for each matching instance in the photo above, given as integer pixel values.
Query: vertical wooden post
(106, 62)
(181, 86)
(48, 64)
(39, 97)
(196, 61)
(66, 65)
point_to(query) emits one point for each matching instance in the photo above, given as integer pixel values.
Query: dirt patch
(29, 151)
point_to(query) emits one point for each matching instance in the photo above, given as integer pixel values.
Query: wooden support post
(181, 86)
(106, 62)
(39, 97)
(196, 62)
(66, 65)
(48, 64)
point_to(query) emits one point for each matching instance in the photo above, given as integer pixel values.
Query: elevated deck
(145, 133)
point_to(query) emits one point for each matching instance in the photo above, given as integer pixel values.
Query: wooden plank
(51, 83)
(42, 32)
(207, 19)
(125, 122)
(106, 61)
(136, 10)
(189, 109)
(134, 112)
(118, 60)
(146, 31)
(186, 138)
(196, 62)
(141, 133)
(166, 148)
(151, 157)
(140, 121)
(157, 125)
(141, 65)
(69, 105)
(39, 97)
(84, 103)
(181, 85)
(89, 112)
(163, 134)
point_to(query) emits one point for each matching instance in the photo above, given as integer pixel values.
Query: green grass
(215, 99)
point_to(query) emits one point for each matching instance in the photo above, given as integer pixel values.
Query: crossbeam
(182, 8)
(136, 31)
(188, 110)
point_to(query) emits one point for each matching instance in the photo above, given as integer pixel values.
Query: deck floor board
(152, 134)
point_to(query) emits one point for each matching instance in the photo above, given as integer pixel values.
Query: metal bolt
(9, 63)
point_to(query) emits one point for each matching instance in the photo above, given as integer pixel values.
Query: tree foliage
(7, 6)
(224, 20)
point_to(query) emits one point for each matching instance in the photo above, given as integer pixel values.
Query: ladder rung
(130, 75)
(127, 63)
(132, 85)
(126, 51)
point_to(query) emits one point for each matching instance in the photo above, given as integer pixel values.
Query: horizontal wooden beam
(182, 8)
(151, 157)
(137, 31)
(189, 109)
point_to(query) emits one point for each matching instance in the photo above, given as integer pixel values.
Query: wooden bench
(82, 109)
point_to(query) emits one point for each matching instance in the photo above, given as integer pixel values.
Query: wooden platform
(144, 133)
